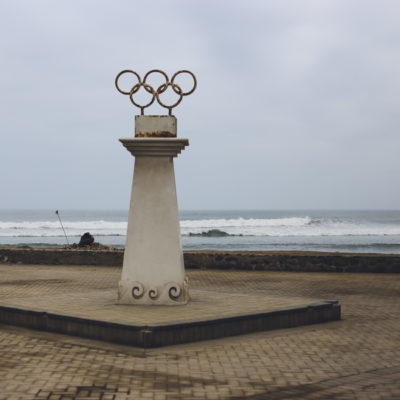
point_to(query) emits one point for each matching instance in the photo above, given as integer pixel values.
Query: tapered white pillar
(153, 270)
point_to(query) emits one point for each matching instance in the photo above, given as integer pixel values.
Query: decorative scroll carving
(174, 292)
(153, 293)
(137, 290)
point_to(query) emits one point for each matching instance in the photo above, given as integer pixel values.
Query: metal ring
(158, 71)
(161, 89)
(173, 85)
(126, 71)
(148, 89)
(185, 71)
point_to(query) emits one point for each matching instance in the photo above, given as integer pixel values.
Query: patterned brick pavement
(356, 358)
(77, 292)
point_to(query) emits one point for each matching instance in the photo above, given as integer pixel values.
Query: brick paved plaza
(355, 358)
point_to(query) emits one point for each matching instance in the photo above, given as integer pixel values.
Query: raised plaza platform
(81, 301)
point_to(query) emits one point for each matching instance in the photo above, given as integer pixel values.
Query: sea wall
(207, 259)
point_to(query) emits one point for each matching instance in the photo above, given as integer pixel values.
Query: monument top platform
(155, 126)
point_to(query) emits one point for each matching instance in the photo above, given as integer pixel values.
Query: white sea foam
(295, 226)
(53, 228)
(278, 227)
(242, 222)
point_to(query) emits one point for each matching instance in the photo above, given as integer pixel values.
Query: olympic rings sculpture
(156, 92)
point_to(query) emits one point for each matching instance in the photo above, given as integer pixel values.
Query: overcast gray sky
(297, 104)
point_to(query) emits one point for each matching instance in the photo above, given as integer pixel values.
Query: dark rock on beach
(86, 240)
(87, 243)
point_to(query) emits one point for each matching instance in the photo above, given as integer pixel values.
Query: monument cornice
(154, 147)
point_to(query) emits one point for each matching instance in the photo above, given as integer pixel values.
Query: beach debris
(86, 240)
(3, 259)
(58, 215)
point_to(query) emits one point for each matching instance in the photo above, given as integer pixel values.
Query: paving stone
(355, 358)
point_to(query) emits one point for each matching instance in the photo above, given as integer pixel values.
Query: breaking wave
(53, 228)
(278, 227)
(296, 226)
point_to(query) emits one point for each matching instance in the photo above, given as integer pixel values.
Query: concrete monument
(153, 269)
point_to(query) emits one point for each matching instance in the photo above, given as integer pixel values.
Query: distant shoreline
(298, 261)
(262, 230)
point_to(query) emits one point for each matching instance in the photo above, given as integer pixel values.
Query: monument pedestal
(153, 270)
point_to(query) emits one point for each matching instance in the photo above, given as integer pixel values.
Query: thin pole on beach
(58, 215)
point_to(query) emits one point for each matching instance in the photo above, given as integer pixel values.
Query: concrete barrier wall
(294, 261)
(207, 259)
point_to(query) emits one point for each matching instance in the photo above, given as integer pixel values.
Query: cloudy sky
(297, 105)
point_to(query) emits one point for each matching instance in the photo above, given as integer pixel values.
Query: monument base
(171, 293)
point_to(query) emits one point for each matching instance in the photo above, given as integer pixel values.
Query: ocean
(307, 230)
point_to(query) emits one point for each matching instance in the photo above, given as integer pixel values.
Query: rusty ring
(185, 71)
(160, 72)
(124, 72)
(161, 89)
(149, 89)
